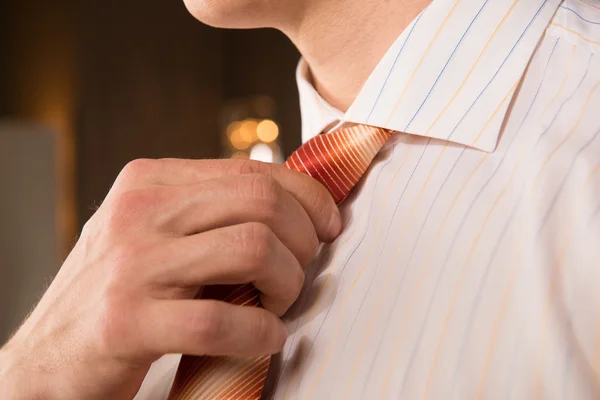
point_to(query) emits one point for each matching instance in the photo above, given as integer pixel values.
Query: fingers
(234, 255)
(313, 196)
(209, 327)
(230, 201)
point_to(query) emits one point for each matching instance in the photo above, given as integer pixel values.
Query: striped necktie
(338, 160)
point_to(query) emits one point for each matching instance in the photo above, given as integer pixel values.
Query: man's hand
(125, 295)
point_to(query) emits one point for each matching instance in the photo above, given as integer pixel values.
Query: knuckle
(296, 283)
(247, 167)
(319, 200)
(258, 243)
(123, 209)
(262, 327)
(310, 248)
(313, 242)
(132, 204)
(260, 186)
(91, 226)
(266, 193)
(207, 325)
(262, 194)
(130, 201)
(138, 168)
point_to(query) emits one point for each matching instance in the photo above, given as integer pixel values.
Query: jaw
(246, 14)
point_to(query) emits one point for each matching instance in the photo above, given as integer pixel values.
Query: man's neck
(343, 41)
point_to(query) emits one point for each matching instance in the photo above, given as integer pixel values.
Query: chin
(235, 14)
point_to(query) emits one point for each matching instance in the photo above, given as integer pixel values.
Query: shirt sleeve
(158, 380)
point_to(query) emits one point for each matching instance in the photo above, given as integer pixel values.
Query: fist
(128, 292)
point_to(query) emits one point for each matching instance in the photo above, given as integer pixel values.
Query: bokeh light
(248, 130)
(232, 127)
(239, 141)
(267, 131)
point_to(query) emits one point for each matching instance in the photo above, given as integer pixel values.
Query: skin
(330, 34)
(126, 295)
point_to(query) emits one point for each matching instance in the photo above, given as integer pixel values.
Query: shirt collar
(450, 75)
(317, 114)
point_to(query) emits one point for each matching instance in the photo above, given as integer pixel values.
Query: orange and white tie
(338, 160)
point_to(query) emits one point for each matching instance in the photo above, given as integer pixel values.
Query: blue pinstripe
(498, 70)
(446, 64)
(365, 234)
(522, 321)
(385, 239)
(504, 230)
(395, 61)
(345, 264)
(579, 16)
(350, 256)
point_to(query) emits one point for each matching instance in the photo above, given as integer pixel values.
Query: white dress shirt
(469, 265)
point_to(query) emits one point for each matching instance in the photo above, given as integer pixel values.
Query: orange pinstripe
(351, 163)
(361, 269)
(412, 76)
(243, 379)
(573, 129)
(510, 92)
(558, 265)
(579, 35)
(402, 234)
(514, 270)
(424, 271)
(318, 295)
(462, 85)
(562, 84)
(462, 275)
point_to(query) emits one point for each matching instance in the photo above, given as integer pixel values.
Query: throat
(343, 41)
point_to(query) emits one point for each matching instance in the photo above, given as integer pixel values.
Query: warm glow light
(267, 131)
(262, 152)
(248, 130)
(238, 141)
(232, 127)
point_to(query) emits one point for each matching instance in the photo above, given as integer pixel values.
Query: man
(467, 265)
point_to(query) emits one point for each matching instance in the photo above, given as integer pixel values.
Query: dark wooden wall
(110, 81)
(141, 79)
(151, 85)
(264, 62)
(38, 84)
(154, 80)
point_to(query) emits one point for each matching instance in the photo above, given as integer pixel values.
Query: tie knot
(340, 158)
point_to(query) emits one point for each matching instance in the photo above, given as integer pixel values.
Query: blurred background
(86, 86)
